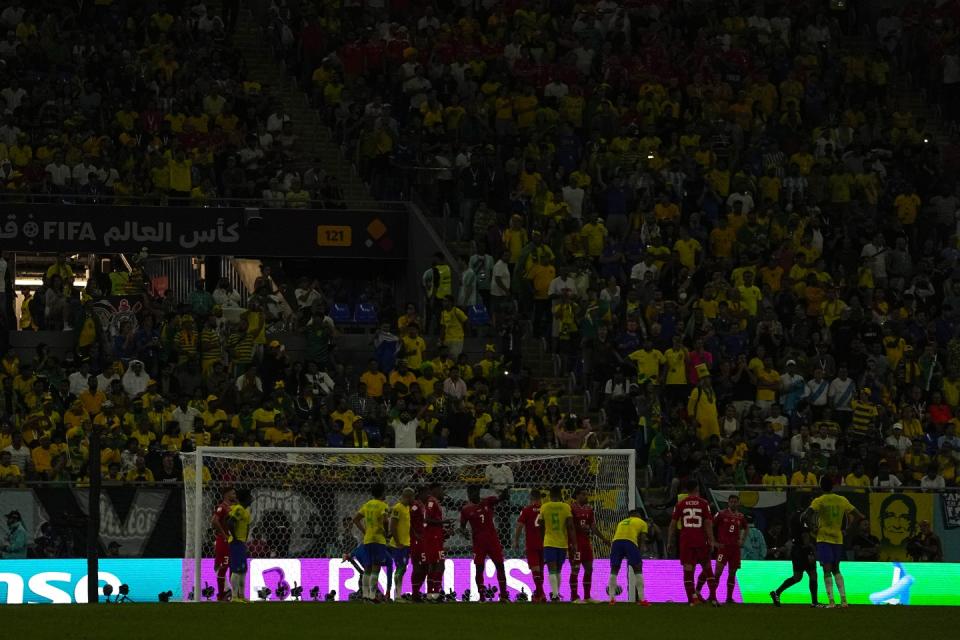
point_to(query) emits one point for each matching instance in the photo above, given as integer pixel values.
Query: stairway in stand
(313, 136)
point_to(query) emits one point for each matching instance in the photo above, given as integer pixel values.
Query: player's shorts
(484, 550)
(400, 556)
(694, 555)
(622, 550)
(415, 546)
(584, 552)
(361, 555)
(731, 555)
(554, 555)
(431, 551)
(221, 553)
(377, 554)
(829, 553)
(800, 558)
(238, 557)
(534, 558)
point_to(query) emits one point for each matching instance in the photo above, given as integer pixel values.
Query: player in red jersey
(585, 527)
(692, 516)
(419, 573)
(486, 542)
(529, 523)
(221, 548)
(434, 534)
(731, 527)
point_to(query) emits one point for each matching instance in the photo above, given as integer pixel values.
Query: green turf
(257, 621)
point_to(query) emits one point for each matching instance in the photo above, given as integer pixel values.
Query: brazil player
(628, 540)
(558, 536)
(371, 519)
(399, 546)
(832, 511)
(239, 519)
(220, 524)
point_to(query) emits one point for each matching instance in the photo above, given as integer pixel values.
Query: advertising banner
(895, 519)
(64, 581)
(378, 235)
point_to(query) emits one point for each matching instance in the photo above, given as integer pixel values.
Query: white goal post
(303, 496)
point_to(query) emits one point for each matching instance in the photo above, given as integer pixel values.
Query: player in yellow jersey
(399, 546)
(372, 520)
(628, 540)
(558, 536)
(831, 511)
(239, 520)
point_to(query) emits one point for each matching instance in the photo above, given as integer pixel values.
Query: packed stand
(141, 103)
(742, 244)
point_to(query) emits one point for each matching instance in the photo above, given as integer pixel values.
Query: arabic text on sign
(334, 236)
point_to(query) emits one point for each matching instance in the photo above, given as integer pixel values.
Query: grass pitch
(467, 621)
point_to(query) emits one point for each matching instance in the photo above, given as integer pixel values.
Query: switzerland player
(431, 551)
(529, 523)
(696, 540)
(399, 546)
(486, 541)
(221, 548)
(558, 536)
(371, 519)
(417, 525)
(731, 527)
(628, 540)
(584, 525)
(831, 511)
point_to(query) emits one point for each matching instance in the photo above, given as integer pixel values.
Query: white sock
(612, 585)
(638, 579)
(236, 581)
(367, 592)
(555, 584)
(840, 588)
(828, 583)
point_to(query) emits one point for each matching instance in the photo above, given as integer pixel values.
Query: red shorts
(488, 549)
(730, 554)
(431, 551)
(584, 552)
(694, 555)
(415, 550)
(535, 558)
(221, 554)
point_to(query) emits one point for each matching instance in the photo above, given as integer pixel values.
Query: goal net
(301, 533)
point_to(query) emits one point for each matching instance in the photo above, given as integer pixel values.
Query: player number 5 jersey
(554, 516)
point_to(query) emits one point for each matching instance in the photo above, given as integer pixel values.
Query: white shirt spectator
(841, 392)
(307, 297)
(428, 22)
(104, 381)
(826, 443)
(275, 122)
(899, 441)
(574, 196)
(12, 16)
(78, 383)
(936, 482)
(322, 383)
(455, 388)
(556, 89)
(256, 382)
(13, 97)
(60, 174)
(405, 433)
(817, 392)
(19, 456)
(641, 269)
(133, 383)
(226, 299)
(185, 418)
(82, 171)
(890, 482)
(499, 476)
(798, 448)
(501, 271)
(744, 198)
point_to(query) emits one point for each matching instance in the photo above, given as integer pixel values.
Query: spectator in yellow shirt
(453, 322)
(803, 477)
(374, 379)
(776, 477)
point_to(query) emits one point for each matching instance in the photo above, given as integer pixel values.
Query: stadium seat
(365, 314)
(340, 313)
(478, 315)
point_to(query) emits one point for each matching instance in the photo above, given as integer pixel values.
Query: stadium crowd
(142, 102)
(743, 247)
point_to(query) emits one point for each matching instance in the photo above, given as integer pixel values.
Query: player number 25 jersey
(693, 514)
